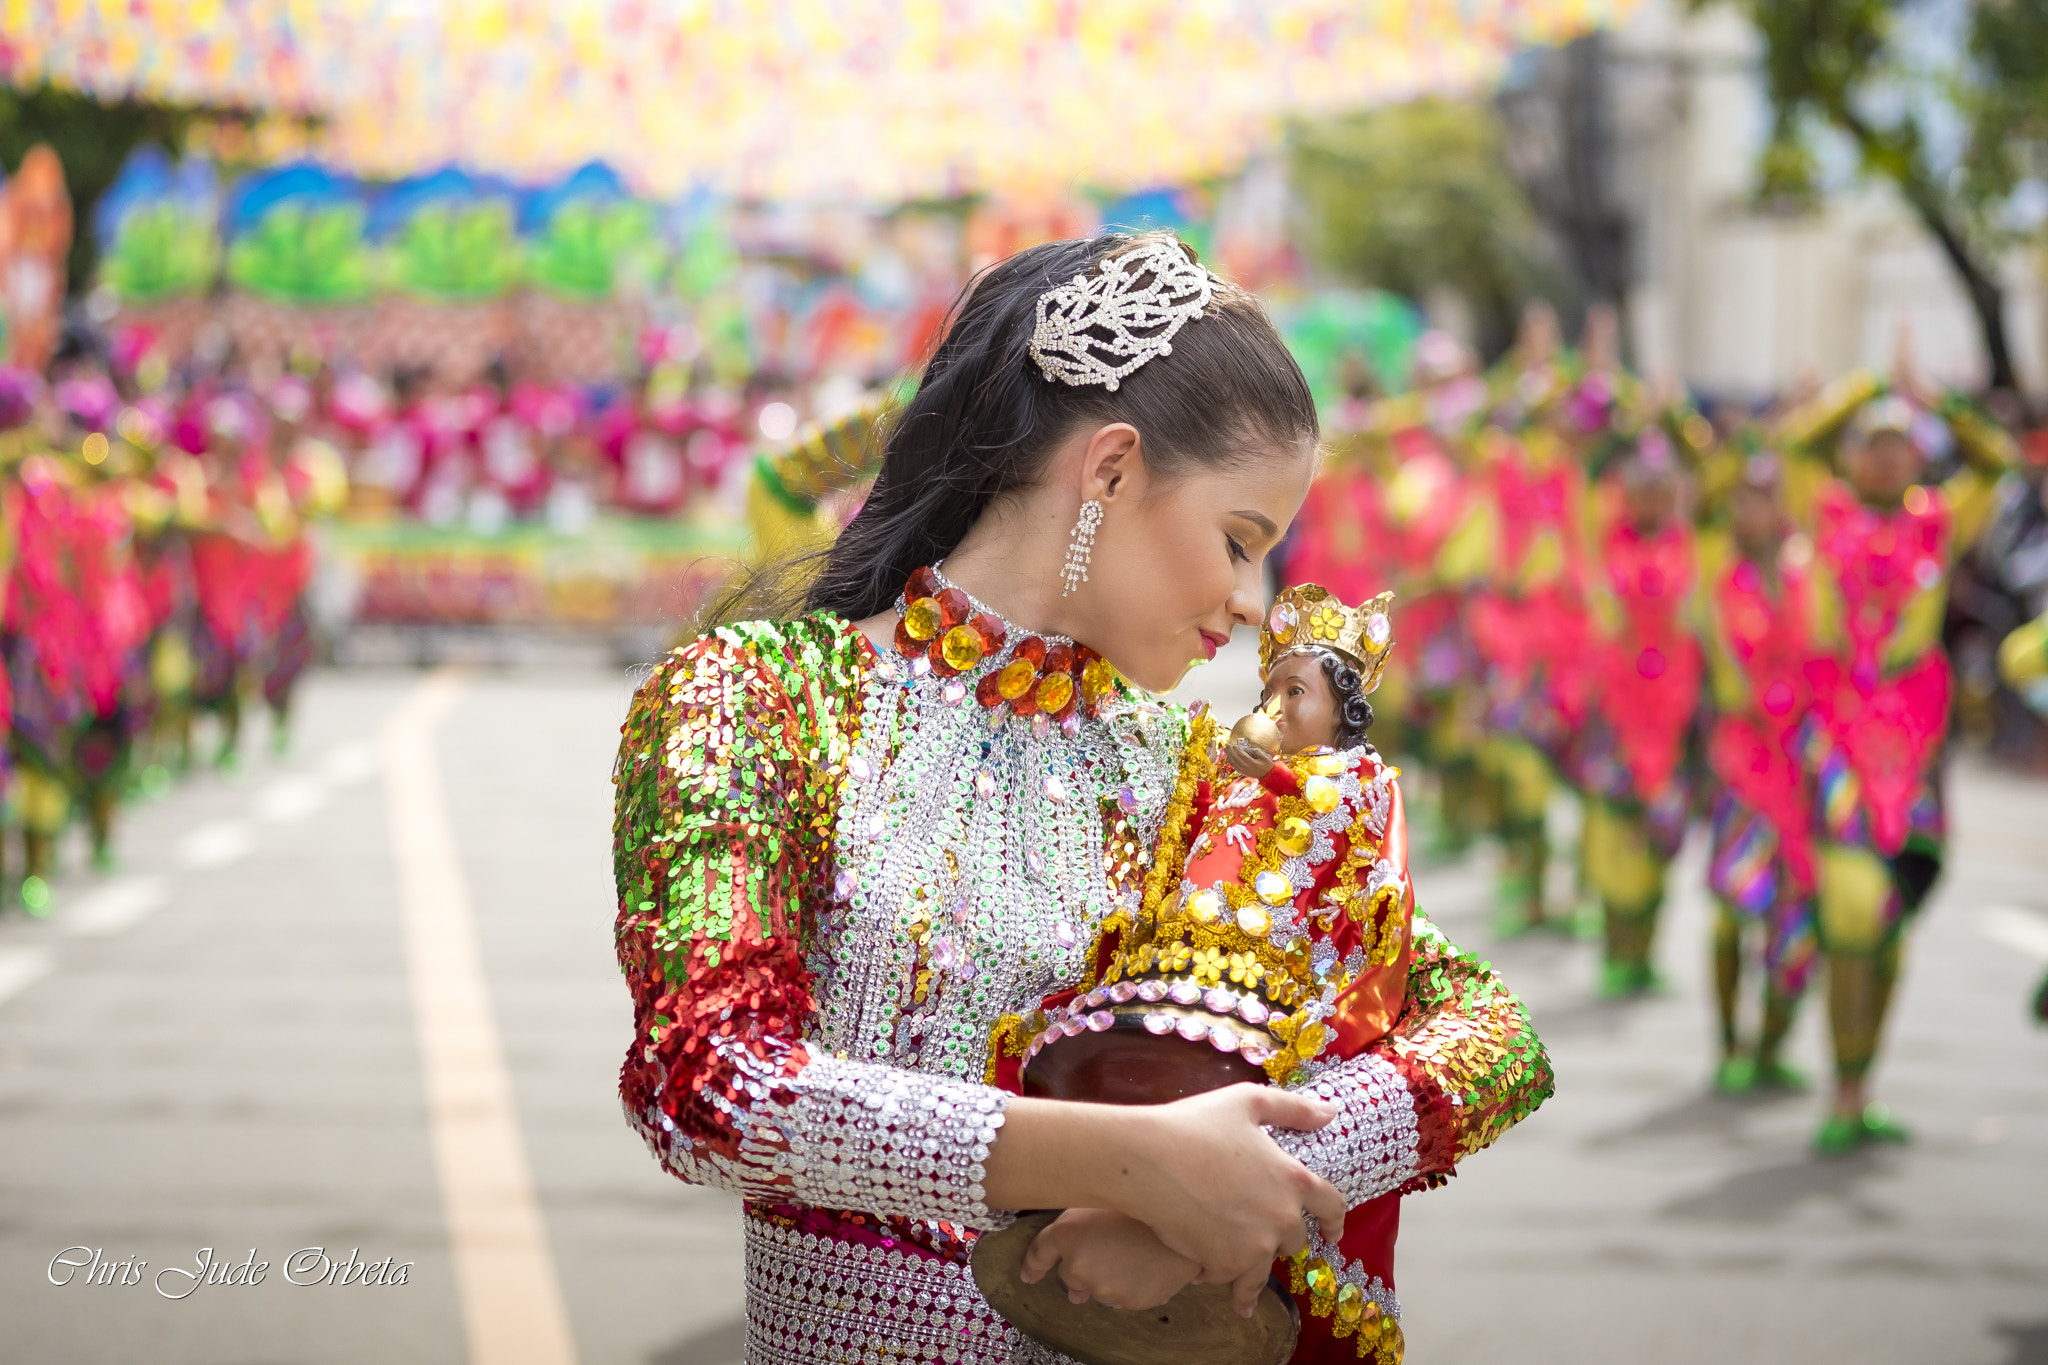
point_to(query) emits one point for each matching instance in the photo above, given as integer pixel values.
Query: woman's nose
(1247, 603)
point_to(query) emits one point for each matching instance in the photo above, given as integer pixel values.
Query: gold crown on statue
(1309, 616)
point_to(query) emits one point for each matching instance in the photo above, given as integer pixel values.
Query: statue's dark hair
(984, 419)
(1354, 712)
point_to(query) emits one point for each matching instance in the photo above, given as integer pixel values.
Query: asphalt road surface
(354, 1014)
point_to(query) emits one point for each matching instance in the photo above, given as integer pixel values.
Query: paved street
(251, 1038)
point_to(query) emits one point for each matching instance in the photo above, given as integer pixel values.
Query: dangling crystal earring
(1081, 548)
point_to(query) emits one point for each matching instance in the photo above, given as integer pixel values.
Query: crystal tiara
(1099, 328)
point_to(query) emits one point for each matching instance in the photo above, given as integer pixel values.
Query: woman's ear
(1113, 464)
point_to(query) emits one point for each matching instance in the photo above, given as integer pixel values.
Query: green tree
(1835, 64)
(2005, 97)
(1416, 197)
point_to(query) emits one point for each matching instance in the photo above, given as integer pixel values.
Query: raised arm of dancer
(1988, 453)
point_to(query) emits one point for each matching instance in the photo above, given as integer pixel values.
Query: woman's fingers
(1245, 1289)
(1109, 1258)
(1041, 1256)
(1219, 1191)
(1278, 1108)
(1326, 1206)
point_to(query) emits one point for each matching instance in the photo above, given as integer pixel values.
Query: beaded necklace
(944, 629)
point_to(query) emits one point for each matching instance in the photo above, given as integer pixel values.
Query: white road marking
(115, 907)
(216, 845)
(289, 799)
(2023, 931)
(21, 968)
(512, 1306)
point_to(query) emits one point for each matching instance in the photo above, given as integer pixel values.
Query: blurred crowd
(156, 567)
(1742, 617)
(485, 455)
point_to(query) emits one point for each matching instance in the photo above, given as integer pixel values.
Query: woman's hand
(1202, 1173)
(1109, 1257)
(1213, 1185)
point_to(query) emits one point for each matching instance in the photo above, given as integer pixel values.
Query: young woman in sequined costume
(848, 843)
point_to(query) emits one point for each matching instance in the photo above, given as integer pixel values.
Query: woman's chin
(1155, 679)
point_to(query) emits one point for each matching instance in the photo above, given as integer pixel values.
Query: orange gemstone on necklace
(1016, 679)
(1055, 690)
(921, 619)
(1098, 679)
(962, 648)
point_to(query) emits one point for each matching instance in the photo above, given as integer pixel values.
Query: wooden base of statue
(1198, 1326)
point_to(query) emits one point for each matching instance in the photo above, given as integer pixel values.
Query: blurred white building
(1743, 303)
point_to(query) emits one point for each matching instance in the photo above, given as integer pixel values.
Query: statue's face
(1307, 705)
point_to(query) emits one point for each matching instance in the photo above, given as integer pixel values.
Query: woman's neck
(1010, 561)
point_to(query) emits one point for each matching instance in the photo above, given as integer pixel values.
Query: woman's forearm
(1060, 1154)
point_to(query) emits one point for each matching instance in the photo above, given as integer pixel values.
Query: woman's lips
(1212, 642)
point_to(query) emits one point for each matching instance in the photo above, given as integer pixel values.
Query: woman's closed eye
(1237, 550)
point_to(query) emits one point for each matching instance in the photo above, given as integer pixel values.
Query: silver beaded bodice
(970, 861)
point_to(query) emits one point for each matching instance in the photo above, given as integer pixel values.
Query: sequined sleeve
(726, 785)
(1460, 1068)
(1470, 1059)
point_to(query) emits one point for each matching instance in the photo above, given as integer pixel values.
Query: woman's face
(1881, 467)
(1652, 501)
(1756, 520)
(1179, 562)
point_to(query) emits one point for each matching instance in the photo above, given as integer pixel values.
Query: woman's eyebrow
(1258, 519)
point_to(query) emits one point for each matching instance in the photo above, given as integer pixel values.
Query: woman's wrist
(1070, 1154)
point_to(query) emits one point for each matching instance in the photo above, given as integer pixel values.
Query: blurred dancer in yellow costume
(1884, 543)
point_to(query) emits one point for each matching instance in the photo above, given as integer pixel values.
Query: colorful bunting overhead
(878, 99)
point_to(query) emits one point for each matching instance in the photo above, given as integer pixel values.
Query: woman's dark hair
(1354, 712)
(985, 420)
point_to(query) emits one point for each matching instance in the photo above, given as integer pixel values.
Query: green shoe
(1627, 980)
(1840, 1135)
(1735, 1076)
(1880, 1126)
(1511, 917)
(1776, 1075)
